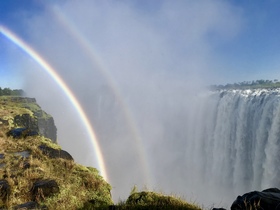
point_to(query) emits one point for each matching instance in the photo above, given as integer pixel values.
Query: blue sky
(247, 48)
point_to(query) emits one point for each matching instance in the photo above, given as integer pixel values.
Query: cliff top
(36, 173)
(34, 170)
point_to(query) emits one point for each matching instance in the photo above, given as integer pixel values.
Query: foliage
(152, 200)
(10, 92)
(249, 85)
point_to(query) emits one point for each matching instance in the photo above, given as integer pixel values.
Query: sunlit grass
(80, 187)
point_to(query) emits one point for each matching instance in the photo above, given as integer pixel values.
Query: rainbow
(55, 76)
(86, 45)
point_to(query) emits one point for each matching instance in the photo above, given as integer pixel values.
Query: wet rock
(24, 154)
(22, 133)
(55, 153)
(5, 189)
(29, 205)
(44, 188)
(266, 199)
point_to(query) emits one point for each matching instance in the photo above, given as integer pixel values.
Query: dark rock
(26, 165)
(5, 189)
(55, 153)
(2, 156)
(42, 124)
(26, 121)
(218, 209)
(30, 205)
(268, 199)
(22, 133)
(44, 188)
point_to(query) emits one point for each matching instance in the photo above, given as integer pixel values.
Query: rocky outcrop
(43, 125)
(25, 113)
(268, 199)
(44, 188)
(55, 153)
(34, 170)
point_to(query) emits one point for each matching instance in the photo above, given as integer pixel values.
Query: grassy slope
(78, 184)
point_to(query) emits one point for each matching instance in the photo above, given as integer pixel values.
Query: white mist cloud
(157, 56)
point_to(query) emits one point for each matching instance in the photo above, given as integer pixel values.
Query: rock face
(268, 199)
(55, 153)
(44, 188)
(41, 122)
(35, 170)
(27, 114)
(47, 128)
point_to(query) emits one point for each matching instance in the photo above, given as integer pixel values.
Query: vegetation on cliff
(10, 92)
(248, 85)
(28, 158)
(23, 162)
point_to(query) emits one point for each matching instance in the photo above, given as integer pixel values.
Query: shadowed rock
(268, 199)
(55, 153)
(5, 189)
(29, 205)
(44, 188)
(22, 133)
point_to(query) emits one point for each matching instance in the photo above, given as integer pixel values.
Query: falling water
(235, 142)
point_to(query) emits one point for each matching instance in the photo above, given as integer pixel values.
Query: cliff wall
(25, 112)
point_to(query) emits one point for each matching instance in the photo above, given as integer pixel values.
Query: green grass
(80, 187)
(71, 177)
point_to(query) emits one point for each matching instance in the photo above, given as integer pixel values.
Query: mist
(137, 88)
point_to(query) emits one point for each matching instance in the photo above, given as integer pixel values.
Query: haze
(135, 67)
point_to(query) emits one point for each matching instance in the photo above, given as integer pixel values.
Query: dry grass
(71, 177)
(80, 187)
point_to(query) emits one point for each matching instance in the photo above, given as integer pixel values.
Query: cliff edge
(35, 173)
(23, 112)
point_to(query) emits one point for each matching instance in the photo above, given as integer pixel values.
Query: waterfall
(234, 141)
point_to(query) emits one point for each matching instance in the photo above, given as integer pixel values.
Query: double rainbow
(55, 76)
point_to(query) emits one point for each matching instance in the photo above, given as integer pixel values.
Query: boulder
(44, 188)
(268, 199)
(5, 189)
(55, 153)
